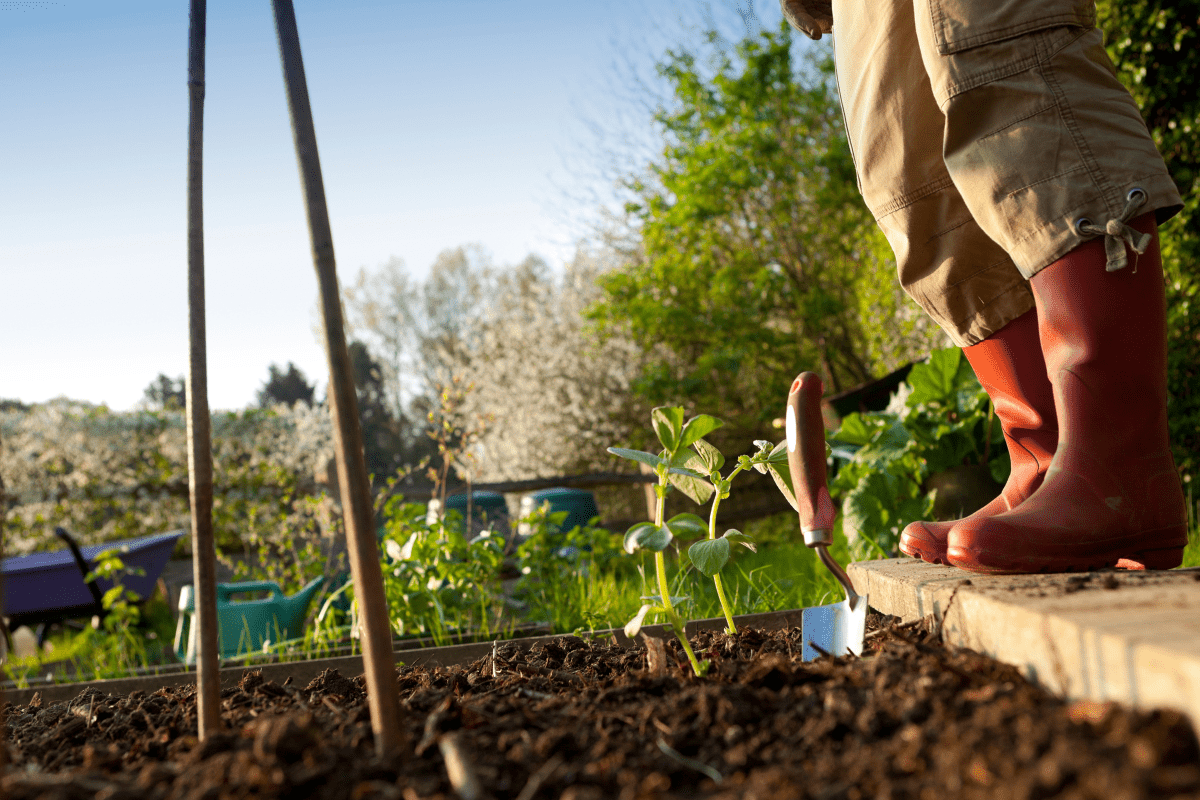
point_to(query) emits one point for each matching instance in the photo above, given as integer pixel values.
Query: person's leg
(1049, 152)
(946, 262)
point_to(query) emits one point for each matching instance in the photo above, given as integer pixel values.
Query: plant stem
(712, 534)
(660, 566)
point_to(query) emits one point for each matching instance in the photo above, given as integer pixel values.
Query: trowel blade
(837, 629)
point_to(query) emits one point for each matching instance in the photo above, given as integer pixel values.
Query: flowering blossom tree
(557, 394)
(110, 475)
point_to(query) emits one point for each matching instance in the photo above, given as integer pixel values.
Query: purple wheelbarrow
(49, 587)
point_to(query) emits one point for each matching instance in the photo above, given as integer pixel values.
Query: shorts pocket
(962, 24)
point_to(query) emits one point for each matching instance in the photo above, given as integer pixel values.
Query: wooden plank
(1126, 636)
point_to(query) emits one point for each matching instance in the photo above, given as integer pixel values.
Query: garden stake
(837, 629)
(200, 492)
(3, 637)
(379, 664)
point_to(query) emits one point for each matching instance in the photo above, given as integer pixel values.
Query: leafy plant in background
(436, 582)
(564, 577)
(123, 649)
(282, 541)
(941, 418)
(673, 471)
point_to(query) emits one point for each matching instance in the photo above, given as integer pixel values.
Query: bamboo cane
(204, 567)
(378, 661)
(3, 631)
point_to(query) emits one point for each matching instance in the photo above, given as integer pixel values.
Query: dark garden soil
(584, 721)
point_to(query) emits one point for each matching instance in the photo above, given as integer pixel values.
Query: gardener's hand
(814, 17)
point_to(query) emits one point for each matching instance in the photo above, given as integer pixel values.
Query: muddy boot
(1112, 493)
(1010, 367)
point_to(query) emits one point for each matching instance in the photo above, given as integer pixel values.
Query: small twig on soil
(530, 693)
(671, 752)
(818, 648)
(538, 778)
(495, 647)
(458, 767)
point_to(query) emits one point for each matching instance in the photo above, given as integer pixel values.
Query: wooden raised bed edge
(302, 672)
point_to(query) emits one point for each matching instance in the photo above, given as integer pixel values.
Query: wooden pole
(3, 631)
(204, 560)
(378, 661)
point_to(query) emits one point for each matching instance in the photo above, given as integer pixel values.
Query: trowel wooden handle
(806, 458)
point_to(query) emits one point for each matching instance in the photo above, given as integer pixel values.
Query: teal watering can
(244, 626)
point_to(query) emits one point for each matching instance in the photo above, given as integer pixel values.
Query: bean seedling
(692, 465)
(671, 466)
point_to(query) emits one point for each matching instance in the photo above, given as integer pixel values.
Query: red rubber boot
(1010, 367)
(1112, 493)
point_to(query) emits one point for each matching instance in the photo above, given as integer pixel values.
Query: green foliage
(574, 580)
(940, 419)
(280, 541)
(123, 648)
(1155, 45)
(751, 232)
(437, 583)
(166, 393)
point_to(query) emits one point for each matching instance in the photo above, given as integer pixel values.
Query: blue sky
(439, 122)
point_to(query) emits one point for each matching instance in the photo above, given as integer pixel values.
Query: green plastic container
(245, 625)
(488, 510)
(579, 504)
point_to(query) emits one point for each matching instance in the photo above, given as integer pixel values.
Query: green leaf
(647, 536)
(857, 429)
(635, 531)
(1000, 466)
(637, 455)
(709, 555)
(698, 426)
(744, 539)
(710, 457)
(668, 424)
(777, 465)
(635, 625)
(869, 509)
(941, 378)
(691, 473)
(686, 526)
(692, 485)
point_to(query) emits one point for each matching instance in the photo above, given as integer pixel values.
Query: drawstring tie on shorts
(1117, 233)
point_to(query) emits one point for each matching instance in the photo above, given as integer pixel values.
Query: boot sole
(975, 561)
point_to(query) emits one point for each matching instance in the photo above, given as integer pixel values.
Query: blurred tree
(754, 256)
(554, 395)
(166, 393)
(381, 436)
(288, 386)
(1155, 45)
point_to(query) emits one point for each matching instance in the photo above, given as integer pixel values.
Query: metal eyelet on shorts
(1081, 223)
(1134, 192)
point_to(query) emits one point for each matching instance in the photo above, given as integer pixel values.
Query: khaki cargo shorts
(991, 137)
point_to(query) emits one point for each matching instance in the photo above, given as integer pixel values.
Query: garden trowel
(835, 629)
